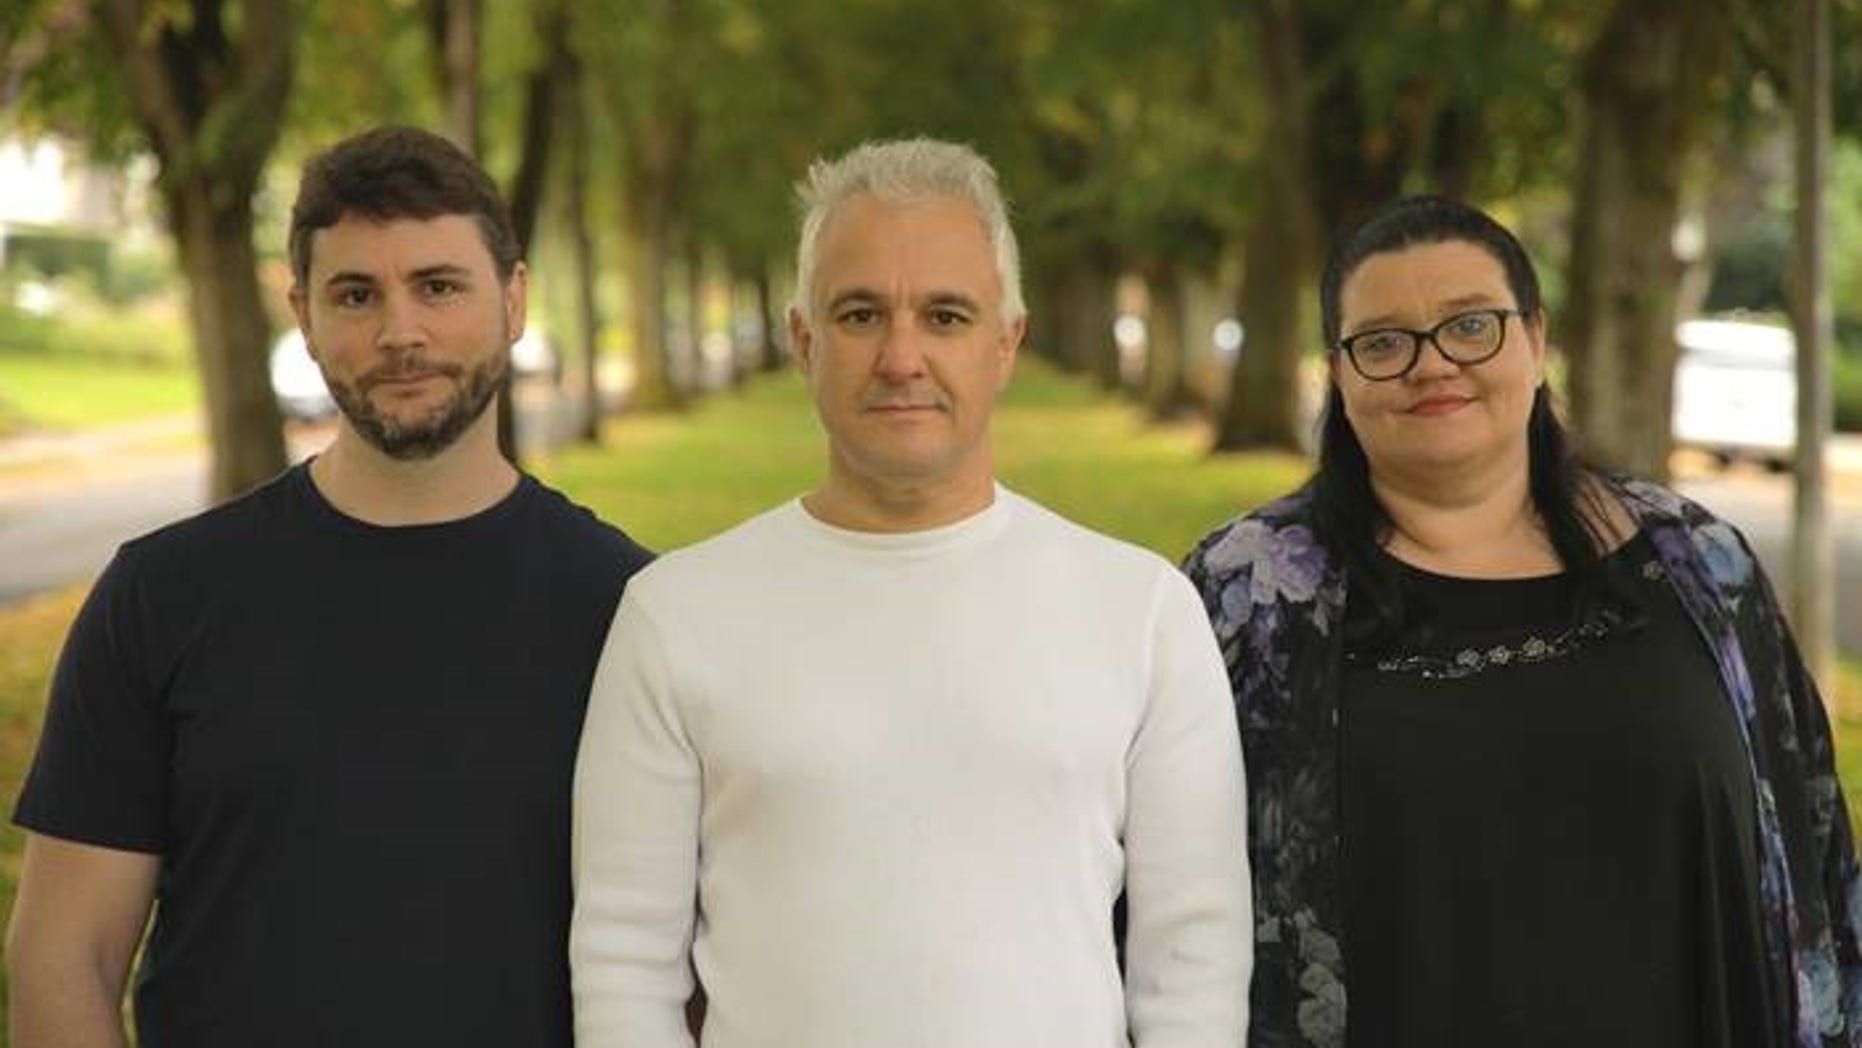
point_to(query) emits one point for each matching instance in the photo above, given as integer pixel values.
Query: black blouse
(1548, 828)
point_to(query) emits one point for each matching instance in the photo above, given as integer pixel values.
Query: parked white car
(532, 355)
(296, 381)
(1735, 391)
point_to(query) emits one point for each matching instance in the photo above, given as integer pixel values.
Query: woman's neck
(1478, 528)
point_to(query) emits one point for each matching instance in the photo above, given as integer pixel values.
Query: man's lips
(402, 378)
(902, 409)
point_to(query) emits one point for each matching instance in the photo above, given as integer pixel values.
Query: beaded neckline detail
(1537, 646)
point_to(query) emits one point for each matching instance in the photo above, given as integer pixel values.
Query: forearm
(62, 1002)
(76, 921)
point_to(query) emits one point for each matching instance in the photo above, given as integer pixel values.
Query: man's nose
(901, 352)
(402, 325)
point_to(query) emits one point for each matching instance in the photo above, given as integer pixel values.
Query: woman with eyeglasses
(1532, 758)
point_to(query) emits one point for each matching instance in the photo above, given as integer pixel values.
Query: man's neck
(856, 505)
(466, 478)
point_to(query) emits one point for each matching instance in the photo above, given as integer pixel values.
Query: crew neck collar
(326, 510)
(977, 527)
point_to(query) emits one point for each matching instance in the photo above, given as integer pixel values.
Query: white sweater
(882, 790)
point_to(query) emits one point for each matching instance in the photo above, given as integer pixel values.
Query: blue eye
(1470, 325)
(1381, 344)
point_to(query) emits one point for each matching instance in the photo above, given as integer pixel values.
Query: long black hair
(1350, 522)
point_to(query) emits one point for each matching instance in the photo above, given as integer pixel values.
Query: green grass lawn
(43, 391)
(670, 481)
(673, 480)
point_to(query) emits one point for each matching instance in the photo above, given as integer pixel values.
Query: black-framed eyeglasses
(1473, 337)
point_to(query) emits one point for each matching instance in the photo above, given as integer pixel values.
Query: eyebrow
(1387, 320)
(443, 269)
(853, 295)
(952, 298)
(862, 295)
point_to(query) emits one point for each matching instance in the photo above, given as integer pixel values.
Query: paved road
(1760, 506)
(62, 519)
(66, 534)
(56, 534)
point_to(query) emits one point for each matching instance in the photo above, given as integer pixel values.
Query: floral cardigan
(1277, 601)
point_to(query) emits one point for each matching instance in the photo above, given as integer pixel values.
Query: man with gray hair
(876, 765)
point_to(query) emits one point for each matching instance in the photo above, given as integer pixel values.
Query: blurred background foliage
(1179, 165)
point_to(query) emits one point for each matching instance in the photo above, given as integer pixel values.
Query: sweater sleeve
(1189, 947)
(1829, 890)
(101, 773)
(634, 848)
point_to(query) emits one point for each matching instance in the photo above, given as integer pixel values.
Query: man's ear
(801, 340)
(1012, 338)
(516, 303)
(300, 309)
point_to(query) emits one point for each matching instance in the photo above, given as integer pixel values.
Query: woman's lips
(1441, 405)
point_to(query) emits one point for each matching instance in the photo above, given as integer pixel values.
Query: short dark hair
(1349, 521)
(395, 172)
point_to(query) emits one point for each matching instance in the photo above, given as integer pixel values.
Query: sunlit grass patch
(63, 392)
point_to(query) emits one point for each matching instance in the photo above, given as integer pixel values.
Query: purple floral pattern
(1273, 598)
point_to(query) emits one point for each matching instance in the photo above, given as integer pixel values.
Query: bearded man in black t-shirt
(325, 732)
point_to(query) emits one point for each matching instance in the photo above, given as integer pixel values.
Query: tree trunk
(214, 243)
(653, 114)
(1456, 149)
(455, 28)
(698, 378)
(1166, 349)
(533, 161)
(1076, 316)
(185, 78)
(541, 88)
(588, 321)
(1092, 317)
(771, 356)
(648, 249)
(1646, 97)
(1263, 406)
(1813, 607)
(582, 236)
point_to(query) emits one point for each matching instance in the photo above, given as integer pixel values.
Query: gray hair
(902, 170)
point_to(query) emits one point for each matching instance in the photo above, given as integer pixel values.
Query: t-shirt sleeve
(634, 848)
(1189, 947)
(101, 772)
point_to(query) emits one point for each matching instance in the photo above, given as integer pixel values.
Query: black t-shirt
(1550, 835)
(352, 747)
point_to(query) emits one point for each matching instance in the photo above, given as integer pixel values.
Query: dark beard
(439, 428)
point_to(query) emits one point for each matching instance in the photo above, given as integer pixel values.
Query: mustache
(401, 369)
